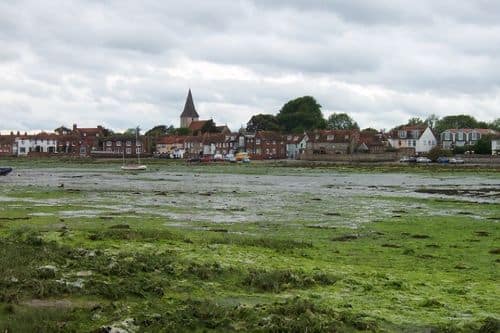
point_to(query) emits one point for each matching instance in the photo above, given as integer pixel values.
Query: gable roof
(197, 125)
(189, 109)
(335, 136)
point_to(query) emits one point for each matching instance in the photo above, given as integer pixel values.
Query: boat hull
(134, 167)
(5, 171)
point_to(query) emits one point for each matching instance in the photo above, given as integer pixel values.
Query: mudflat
(248, 248)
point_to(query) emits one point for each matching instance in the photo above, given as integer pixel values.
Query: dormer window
(289, 137)
(402, 134)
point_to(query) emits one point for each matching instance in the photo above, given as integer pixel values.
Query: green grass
(423, 265)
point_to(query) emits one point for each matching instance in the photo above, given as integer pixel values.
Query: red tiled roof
(197, 125)
(470, 130)
(171, 139)
(339, 136)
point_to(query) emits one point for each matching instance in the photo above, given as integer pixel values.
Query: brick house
(193, 145)
(332, 142)
(371, 142)
(7, 144)
(266, 145)
(119, 145)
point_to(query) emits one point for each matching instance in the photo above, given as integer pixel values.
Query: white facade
(295, 148)
(421, 141)
(25, 145)
(495, 146)
(426, 142)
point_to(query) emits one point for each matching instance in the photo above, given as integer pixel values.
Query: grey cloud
(126, 62)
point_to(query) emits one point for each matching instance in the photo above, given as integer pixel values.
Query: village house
(79, 141)
(35, 144)
(120, 144)
(495, 145)
(193, 145)
(452, 138)
(296, 144)
(7, 144)
(332, 142)
(266, 145)
(171, 145)
(371, 142)
(419, 138)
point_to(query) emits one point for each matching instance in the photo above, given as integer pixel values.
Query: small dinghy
(134, 167)
(5, 171)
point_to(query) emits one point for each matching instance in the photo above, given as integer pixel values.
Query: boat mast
(137, 150)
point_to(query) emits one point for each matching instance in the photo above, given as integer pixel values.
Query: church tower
(189, 114)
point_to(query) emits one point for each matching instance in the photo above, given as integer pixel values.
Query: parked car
(206, 159)
(218, 157)
(423, 160)
(404, 159)
(194, 160)
(245, 160)
(457, 161)
(443, 159)
(229, 157)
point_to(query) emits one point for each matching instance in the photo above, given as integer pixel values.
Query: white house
(295, 145)
(40, 143)
(420, 138)
(463, 137)
(495, 145)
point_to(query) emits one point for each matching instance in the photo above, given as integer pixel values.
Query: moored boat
(5, 171)
(134, 167)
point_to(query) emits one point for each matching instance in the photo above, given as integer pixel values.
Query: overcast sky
(124, 63)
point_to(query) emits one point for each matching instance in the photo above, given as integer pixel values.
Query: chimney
(18, 133)
(74, 127)
(11, 133)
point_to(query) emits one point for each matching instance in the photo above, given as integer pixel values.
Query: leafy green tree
(415, 121)
(369, 130)
(263, 122)
(436, 152)
(301, 114)
(132, 131)
(341, 121)
(155, 133)
(431, 121)
(495, 124)
(182, 131)
(209, 127)
(483, 145)
(456, 121)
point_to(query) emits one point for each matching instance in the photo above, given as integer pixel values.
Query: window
(329, 137)
(108, 143)
(129, 151)
(22, 150)
(138, 150)
(460, 136)
(289, 137)
(402, 134)
(118, 143)
(129, 143)
(257, 141)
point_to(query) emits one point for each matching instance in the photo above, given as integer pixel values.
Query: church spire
(189, 109)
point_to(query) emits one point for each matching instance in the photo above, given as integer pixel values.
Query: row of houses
(271, 145)
(98, 141)
(82, 142)
(415, 140)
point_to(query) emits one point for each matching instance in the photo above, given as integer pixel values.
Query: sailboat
(134, 166)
